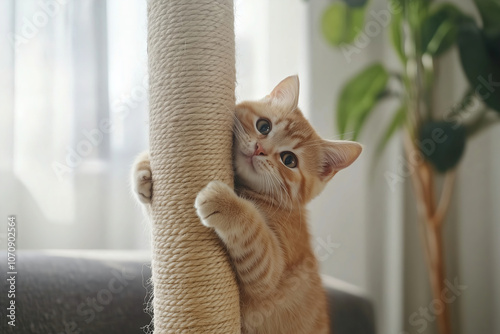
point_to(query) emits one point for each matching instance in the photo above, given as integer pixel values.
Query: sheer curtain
(73, 115)
(74, 111)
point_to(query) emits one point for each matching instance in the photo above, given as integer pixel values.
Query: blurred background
(74, 114)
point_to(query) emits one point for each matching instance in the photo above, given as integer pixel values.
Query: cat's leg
(253, 247)
(142, 184)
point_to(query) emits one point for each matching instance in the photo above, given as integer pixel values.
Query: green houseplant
(421, 31)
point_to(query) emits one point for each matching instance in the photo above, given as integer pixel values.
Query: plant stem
(445, 200)
(431, 218)
(437, 272)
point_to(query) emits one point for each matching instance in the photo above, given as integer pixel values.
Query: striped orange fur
(280, 164)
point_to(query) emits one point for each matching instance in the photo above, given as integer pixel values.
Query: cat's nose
(259, 150)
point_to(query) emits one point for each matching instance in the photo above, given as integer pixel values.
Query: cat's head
(278, 153)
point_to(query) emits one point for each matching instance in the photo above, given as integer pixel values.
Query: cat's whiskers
(289, 197)
(300, 216)
(276, 189)
(238, 130)
(268, 188)
(271, 186)
(281, 189)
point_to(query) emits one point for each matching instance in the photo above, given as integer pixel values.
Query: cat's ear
(337, 155)
(286, 93)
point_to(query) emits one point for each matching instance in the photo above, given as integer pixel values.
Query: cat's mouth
(249, 159)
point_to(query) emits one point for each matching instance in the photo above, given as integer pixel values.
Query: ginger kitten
(280, 165)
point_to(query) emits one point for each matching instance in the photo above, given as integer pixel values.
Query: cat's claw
(144, 186)
(212, 201)
(142, 179)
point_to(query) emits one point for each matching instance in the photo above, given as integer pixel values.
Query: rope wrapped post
(192, 78)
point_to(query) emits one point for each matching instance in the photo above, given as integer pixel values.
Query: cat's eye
(263, 126)
(289, 159)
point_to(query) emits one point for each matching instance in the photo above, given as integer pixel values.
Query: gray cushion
(350, 311)
(106, 292)
(78, 294)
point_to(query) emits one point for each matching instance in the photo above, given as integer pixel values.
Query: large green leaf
(416, 11)
(490, 13)
(396, 34)
(492, 39)
(442, 144)
(440, 29)
(358, 97)
(482, 71)
(397, 121)
(341, 23)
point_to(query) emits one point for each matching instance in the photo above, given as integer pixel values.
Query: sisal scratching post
(192, 76)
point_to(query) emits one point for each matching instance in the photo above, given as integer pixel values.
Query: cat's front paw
(216, 204)
(142, 181)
